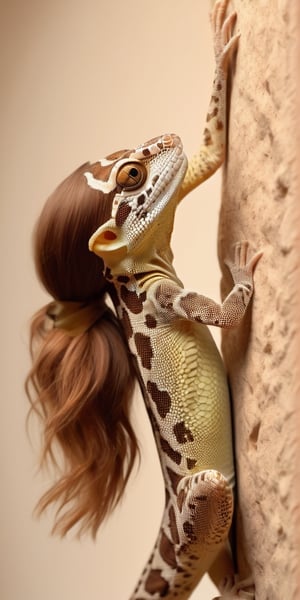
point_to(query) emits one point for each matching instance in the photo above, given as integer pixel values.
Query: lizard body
(179, 367)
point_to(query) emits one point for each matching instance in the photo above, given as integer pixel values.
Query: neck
(143, 272)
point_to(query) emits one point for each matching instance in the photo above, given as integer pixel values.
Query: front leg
(211, 154)
(177, 302)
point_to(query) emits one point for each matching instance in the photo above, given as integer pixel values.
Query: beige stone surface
(261, 203)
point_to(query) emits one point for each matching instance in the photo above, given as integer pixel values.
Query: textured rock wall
(261, 204)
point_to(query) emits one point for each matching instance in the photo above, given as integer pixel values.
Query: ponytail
(80, 385)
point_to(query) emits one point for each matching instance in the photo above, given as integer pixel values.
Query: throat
(143, 271)
(146, 279)
(160, 269)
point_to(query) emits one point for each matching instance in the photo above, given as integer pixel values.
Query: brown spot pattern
(182, 433)
(212, 114)
(171, 453)
(144, 349)
(133, 301)
(165, 295)
(167, 496)
(174, 479)
(141, 199)
(189, 531)
(219, 125)
(180, 499)
(126, 324)
(207, 137)
(194, 557)
(123, 212)
(161, 398)
(155, 583)
(100, 172)
(151, 321)
(167, 551)
(180, 569)
(191, 462)
(173, 525)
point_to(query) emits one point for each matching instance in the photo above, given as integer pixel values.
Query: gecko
(180, 370)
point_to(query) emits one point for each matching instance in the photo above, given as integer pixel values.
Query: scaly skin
(180, 370)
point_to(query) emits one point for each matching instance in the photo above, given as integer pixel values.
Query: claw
(225, 42)
(243, 265)
(218, 13)
(237, 590)
(228, 26)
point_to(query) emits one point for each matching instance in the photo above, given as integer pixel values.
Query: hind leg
(205, 502)
(230, 586)
(223, 576)
(222, 569)
(195, 526)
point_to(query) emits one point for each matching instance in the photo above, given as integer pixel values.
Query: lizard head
(143, 183)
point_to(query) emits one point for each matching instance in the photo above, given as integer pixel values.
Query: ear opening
(109, 235)
(107, 242)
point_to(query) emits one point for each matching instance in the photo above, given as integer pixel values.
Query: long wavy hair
(81, 386)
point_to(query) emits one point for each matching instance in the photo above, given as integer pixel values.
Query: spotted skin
(180, 370)
(194, 446)
(162, 399)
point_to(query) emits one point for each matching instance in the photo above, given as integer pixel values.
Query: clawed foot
(243, 265)
(233, 589)
(225, 43)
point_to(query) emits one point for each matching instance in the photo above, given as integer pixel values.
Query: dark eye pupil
(133, 172)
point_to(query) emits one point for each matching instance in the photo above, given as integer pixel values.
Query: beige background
(80, 80)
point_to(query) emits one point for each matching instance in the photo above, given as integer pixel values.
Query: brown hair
(80, 386)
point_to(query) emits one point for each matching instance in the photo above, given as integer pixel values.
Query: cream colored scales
(181, 373)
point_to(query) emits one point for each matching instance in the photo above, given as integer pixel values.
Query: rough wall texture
(261, 203)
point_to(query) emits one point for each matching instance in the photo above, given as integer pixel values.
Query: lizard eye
(131, 176)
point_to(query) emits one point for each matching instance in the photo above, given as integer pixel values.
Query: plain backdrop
(80, 79)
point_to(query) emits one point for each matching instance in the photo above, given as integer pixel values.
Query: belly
(187, 377)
